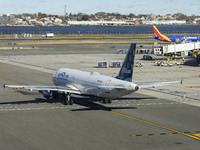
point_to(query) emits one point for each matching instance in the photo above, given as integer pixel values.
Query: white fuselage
(93, 83)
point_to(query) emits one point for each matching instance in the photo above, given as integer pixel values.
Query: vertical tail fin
(160, 36)
(126, 70)
(156, 31)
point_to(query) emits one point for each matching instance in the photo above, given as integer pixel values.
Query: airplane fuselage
(179, 38)
(93, 83)
(162, 37)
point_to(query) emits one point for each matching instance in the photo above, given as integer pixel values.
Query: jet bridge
(182, 48)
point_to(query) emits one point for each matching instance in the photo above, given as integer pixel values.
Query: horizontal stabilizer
(155, 84)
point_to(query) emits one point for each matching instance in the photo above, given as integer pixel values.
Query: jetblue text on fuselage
(63, 75)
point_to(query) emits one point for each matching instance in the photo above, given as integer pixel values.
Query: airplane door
(108, 82)
(107, 90)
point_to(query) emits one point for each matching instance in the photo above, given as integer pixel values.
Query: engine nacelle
(49, 94)
(55, 95)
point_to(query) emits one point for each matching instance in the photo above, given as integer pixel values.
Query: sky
(56, 7)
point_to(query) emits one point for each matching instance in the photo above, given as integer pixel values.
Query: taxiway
(159, 118)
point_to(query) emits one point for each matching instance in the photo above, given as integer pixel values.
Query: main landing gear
(105, 101)
(67, 99)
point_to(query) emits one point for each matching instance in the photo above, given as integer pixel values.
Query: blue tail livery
(126, 70)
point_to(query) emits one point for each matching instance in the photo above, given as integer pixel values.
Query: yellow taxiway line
(192, 132)
(150, 123)
(193, 86)
(11, 81)
(153, 124)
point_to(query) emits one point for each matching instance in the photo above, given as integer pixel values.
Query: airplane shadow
(191, 62)
(88, 102)
(134, 98)
(91, 105)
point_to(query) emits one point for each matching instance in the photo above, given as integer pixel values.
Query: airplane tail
(156, 31)
(126, 70)
(160, 36)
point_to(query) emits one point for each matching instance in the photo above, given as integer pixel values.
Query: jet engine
(49, 94)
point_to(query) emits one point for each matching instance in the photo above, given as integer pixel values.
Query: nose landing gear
(105, 101)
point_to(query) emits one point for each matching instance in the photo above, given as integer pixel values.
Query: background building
(7, 19)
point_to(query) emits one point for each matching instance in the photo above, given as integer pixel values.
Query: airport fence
(98, 32)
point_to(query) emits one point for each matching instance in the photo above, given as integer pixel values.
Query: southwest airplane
(165, 38)
(69, 81)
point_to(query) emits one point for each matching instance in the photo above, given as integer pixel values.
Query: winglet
(126, 70)
(181, 81)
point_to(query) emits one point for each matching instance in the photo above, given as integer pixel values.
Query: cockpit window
(56, 73)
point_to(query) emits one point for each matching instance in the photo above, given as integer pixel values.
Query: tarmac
(158, 118)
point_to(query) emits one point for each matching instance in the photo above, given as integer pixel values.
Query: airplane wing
(142, 85)
(67, 88)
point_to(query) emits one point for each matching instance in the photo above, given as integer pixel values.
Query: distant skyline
(161, 7)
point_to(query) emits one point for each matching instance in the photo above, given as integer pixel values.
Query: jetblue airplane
(70, 81)
(162, 37)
